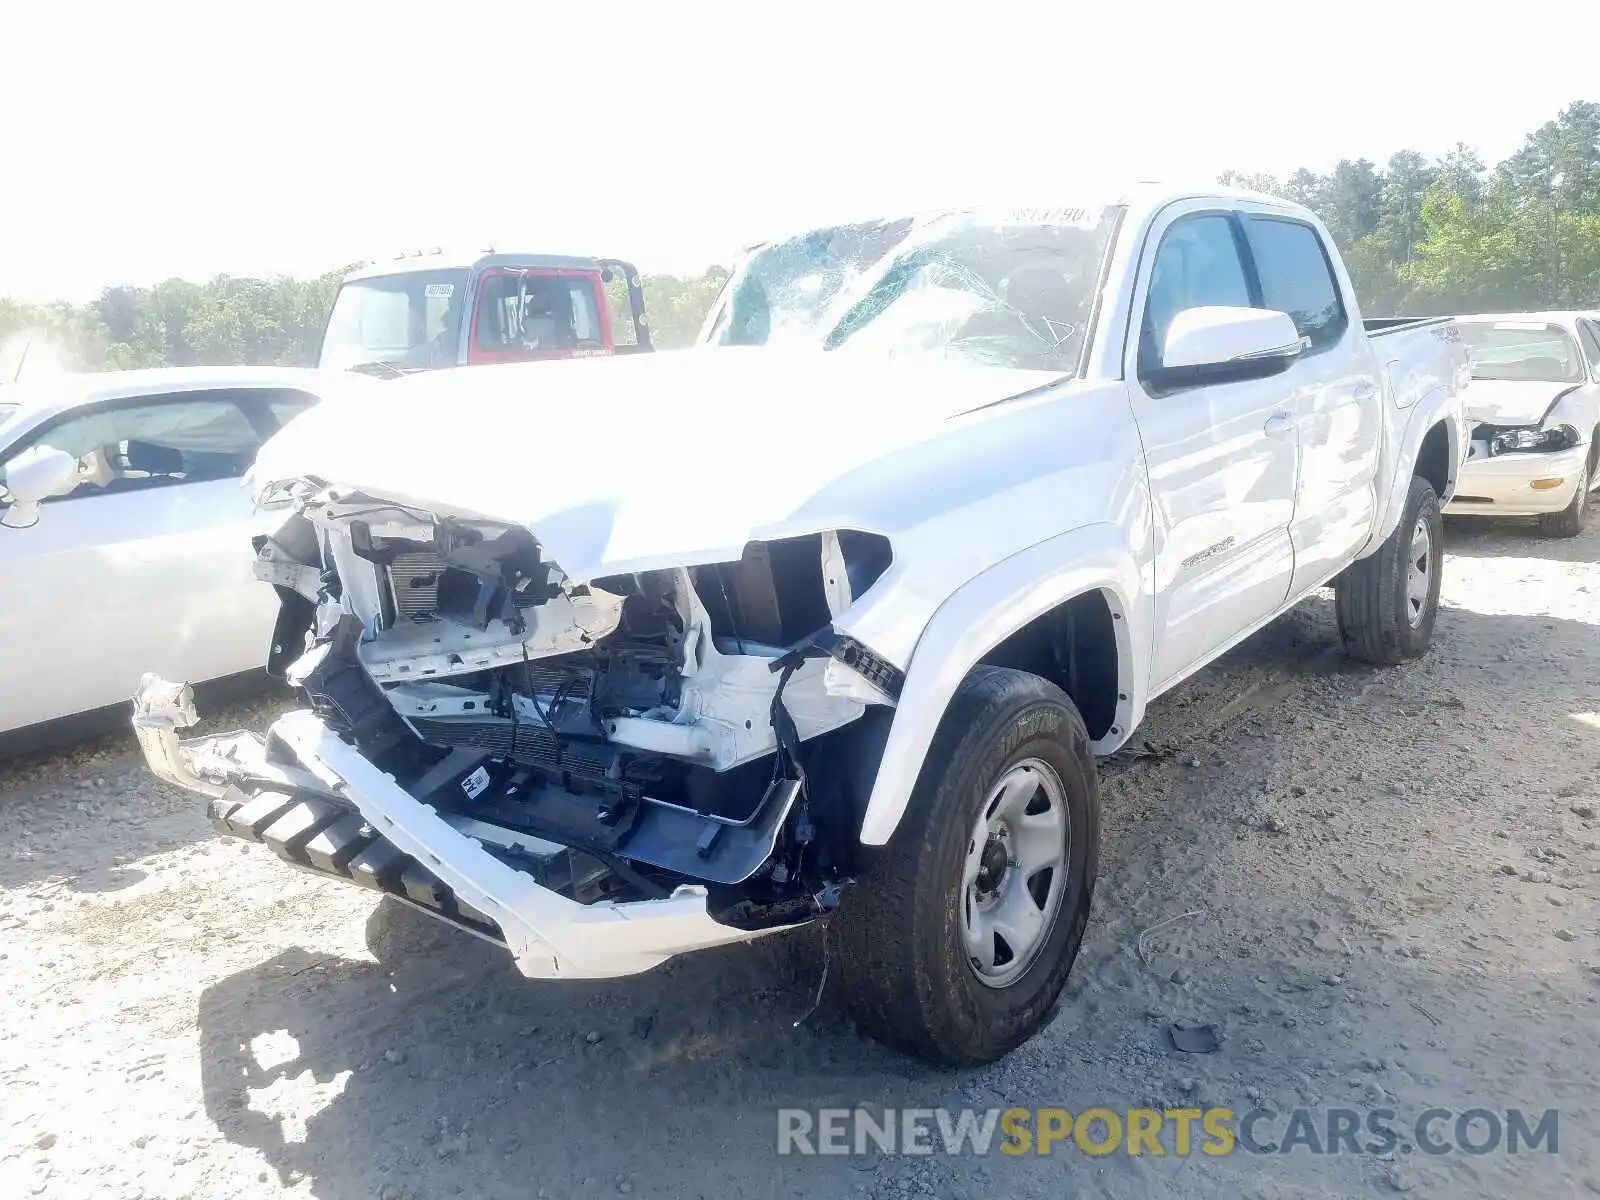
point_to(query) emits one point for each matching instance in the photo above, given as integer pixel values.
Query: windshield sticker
(440, 290)
(1080, 218)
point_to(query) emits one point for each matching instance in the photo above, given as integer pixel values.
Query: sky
(143, 141)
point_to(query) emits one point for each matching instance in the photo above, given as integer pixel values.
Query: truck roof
(1142, 198)
(440, 260)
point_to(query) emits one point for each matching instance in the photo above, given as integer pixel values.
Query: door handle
(1279, 424)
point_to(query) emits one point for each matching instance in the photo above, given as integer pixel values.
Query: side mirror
(33, 476)
(1218, 343)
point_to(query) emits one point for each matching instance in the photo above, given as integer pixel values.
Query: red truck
(428, 310)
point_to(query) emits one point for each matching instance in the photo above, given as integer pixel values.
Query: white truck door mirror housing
(1219, 341)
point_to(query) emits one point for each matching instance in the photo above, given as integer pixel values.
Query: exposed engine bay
(699, 724)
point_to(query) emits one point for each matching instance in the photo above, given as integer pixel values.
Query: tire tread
(888, 987)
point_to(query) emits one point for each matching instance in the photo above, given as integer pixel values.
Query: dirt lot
(1380, 887)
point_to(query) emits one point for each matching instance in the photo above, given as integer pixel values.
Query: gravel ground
(1378, 886)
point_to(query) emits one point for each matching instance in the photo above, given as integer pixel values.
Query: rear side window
(1589, 332)
(286, 406)
(1197, 264)
(1296, 278)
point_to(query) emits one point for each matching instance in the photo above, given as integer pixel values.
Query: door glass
(1296, 278)
(1197, 265)
(536, 312)
(158, 444)
(1589, 333)
(286, 406)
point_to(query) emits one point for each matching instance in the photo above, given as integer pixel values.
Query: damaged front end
(598, 775)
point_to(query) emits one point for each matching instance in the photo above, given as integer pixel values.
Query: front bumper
(1502, 485)
(337, 814)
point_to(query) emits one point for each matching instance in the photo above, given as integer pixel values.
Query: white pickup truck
(830, 616)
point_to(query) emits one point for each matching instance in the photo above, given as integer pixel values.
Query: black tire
(1377, 622)
(1569, 522)
(907, 978)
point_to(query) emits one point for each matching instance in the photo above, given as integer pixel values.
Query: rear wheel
(1386, 603)
(1569, 522)
(956, 946)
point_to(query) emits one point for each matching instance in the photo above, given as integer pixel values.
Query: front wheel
(956, 946)
(1387, 603)
(1570, 520)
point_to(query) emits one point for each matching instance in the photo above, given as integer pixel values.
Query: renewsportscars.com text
(1157, 1131)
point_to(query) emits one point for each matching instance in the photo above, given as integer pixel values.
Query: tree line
(1420, 237)
(1428, 237)
(256, 321)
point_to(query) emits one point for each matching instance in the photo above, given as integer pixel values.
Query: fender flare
(981, 614)
(1441, 404)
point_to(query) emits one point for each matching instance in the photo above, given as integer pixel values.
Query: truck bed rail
(1378, 326)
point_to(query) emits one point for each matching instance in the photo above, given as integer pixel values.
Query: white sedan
(1535, 405)
(125, 532)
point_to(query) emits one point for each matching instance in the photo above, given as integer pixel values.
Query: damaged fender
(983, 613)
(1439, 404)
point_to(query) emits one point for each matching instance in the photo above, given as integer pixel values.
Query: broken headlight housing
(1525, 440)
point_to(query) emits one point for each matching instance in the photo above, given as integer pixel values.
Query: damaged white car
(828, 618)
(1534, 408)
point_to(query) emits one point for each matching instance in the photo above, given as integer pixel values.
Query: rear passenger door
(1331, 394)
(1221, 456)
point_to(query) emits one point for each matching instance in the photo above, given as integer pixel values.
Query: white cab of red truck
(829, 617)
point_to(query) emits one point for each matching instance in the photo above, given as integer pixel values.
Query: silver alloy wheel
(1015, 872)
(1419, 571)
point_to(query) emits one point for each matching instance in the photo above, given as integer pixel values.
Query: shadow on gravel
(1514, 537)
(86, 812)
(457, 1072)
(444, 1072)
(90, 829)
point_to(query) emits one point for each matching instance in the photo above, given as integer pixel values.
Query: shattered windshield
(1004, 288)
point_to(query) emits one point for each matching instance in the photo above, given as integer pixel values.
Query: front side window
(155, 444)
(1297, 279)
(1522, 350)
(1197, 265)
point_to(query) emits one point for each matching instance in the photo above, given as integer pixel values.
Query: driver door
(1221, 457)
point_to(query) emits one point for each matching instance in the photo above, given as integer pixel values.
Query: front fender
(981, 614)
(1579, 408)
(1441, 404)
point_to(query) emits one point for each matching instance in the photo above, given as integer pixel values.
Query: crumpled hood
(637, 462)
(1511, 401)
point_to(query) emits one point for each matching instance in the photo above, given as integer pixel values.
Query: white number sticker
(444, 290)
(475, 784)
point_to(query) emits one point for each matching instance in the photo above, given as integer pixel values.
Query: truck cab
(424, 311)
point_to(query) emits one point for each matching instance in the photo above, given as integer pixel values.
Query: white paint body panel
(107, 587)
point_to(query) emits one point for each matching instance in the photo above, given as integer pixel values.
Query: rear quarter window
(1589, 334)
(1297, 278)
